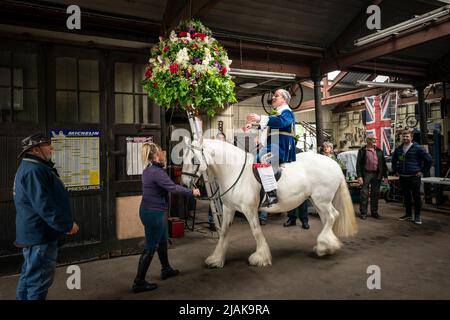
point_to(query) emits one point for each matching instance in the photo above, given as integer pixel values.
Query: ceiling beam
(308, 84)
(390, 69)
(350, 30)
(387, 46)
(338, 78)
(265, 48)
(343, 97)
(300, 70)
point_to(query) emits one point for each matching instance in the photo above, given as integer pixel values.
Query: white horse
(312, 176)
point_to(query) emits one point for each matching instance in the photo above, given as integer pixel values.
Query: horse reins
(195, 175)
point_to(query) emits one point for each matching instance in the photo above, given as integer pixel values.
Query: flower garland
(190, 69)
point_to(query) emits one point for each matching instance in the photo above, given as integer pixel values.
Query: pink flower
(173, 68)
(194, 46)
(182, 34)
(148, 73)
(224, 71)
(166, 49)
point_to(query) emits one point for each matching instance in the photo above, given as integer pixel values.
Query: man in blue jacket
(409, 161)
(278, 139)
(42, 215)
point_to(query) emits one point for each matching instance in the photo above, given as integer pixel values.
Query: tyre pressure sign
(76, 154)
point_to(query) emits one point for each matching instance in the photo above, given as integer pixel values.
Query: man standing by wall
(43, 215)
(370, 168)
(410, 161)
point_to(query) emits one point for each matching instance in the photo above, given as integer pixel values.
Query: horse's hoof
(319, 252)
(213, 262)
(256, 259)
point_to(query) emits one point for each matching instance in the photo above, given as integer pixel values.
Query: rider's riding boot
(140, 285)
(271, 198)
(166, 269)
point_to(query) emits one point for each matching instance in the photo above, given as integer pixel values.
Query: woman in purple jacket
(156, 185)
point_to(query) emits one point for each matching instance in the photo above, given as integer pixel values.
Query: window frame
(78, 54)
(32, 48)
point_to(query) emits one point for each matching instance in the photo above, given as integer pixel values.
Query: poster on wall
(134, 163)
(76, 154)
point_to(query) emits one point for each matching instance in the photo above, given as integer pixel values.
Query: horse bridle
(195, 174)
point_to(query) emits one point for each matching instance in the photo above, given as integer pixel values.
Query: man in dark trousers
(410, 161)
(43, 214)
(370, 169)
(302, 213)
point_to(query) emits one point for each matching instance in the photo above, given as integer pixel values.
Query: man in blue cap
(43, 214)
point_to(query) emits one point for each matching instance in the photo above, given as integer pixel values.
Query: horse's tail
(345, 224)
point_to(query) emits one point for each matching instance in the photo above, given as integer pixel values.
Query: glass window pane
(139, 71)
(18, 99)
(124, 108)
(66, 106)
(89, 107)
(25, 70)
(150, 111)
(123, 75)
(88, 75)
(5, 76)
(66, 73)
(28, 112)
(18, 77)
(5, 98)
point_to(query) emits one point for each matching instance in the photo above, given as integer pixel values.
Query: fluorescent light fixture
(384, 84)
(408, 24)
(248, 85)
(262, 74)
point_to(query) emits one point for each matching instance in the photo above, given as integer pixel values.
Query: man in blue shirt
(43, 214)
(278, 139)
(410, 161)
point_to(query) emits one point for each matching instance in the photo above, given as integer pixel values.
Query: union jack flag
(378, 120)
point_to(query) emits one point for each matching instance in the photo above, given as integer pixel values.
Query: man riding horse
(279, 145)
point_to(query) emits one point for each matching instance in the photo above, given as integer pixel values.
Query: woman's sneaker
(405, 218)
(417, 220)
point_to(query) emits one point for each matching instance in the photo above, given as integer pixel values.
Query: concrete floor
(414, 262)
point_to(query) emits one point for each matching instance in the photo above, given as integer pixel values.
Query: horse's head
(194, 162)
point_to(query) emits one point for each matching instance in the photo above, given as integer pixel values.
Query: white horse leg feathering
(311, 176)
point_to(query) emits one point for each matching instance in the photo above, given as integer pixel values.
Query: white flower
(227, 62)
(200, 68)
(173, 36)
(182, 57)
(209, 40)
(160, 60)
(208, 57)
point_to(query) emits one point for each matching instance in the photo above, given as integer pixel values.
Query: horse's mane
(228, 148)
